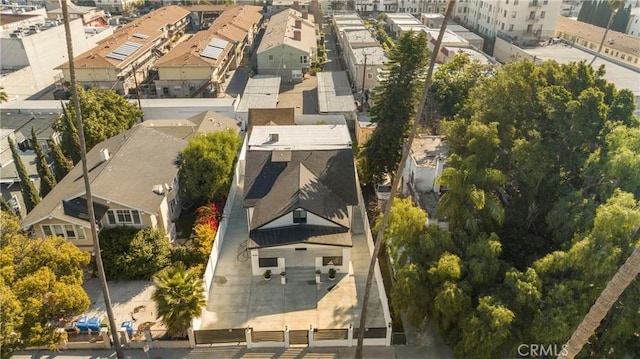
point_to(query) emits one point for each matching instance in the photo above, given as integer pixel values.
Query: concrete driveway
(240, 300)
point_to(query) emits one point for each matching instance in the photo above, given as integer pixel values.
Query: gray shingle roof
(297, 188)
(300, 234)
(333, 168)
(139, 159)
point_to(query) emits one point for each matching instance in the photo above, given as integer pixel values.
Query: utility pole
(364, 74)
(135, 80)
(396, 180)
(87, 185)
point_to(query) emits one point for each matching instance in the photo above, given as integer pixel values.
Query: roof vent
(274, 137)
(158, 189)
(104, 155)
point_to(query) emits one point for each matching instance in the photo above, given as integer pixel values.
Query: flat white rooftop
(474, 55)
(260, 92)
(622, 77)
(312, 137)
(334, 92)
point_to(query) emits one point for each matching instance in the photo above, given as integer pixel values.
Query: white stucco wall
(43, 52)
(287, 220)
(289, 257)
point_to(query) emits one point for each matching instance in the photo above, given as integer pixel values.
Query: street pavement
(393, 352)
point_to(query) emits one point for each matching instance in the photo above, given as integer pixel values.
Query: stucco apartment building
(289, 45)
(31, 46)
(197, 66)
(131, 51)
(91, 16)
(622, 47)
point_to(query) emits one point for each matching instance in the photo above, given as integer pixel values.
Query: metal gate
(217, 336)
(299, 337)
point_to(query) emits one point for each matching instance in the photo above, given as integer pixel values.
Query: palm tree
(179, 298)
(615, 5)
(3, 95)
(465, 203)
(620, 281)
(396, 180)
(87, 185)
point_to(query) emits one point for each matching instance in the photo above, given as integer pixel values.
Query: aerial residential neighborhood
(313, 178)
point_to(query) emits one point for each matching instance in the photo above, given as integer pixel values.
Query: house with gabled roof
(289, 45)
(299, 193)
(133, 183)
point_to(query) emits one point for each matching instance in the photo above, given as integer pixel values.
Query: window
(515, 2)
(513, 14)
(304, 59)
(542, 14)
(300, 216)
(532, 15)
(123, 216)
(66, 231)
(270, 57)
(545, 2)
(502, 28)
(332, 261)
(172, 206)
(268, 262)
(511, 27)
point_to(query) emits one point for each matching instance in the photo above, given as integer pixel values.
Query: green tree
(206, 165)
(104, 114)
(40, 283)
(179, 297)
(453, 81)
(29, 192)
(70, 140)
(47, 180)
(394, 106)
(62, 163)
(131, 253)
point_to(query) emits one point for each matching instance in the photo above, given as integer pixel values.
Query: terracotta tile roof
(232, 26)
(621, 42)
(150, 25)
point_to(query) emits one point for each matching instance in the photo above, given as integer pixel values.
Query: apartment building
(518, 21)
(197, 66)
(122, 60)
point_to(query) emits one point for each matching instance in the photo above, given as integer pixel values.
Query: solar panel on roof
(112, 55)
(218, 43)
(211, 52)
(141, 36)
(124, 50)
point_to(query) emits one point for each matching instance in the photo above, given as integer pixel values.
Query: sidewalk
(393, 352)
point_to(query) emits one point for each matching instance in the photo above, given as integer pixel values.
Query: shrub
(129, 253)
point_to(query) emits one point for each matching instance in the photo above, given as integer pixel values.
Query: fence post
(311, 341)
(387, 340)
(286, 336)
(147, 334)
(192, 337)
(124, 336)
(350, 335)
(105, 337)
(247, 334)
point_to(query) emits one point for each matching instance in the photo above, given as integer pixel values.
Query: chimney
(305, 15)
(297, 35)
(296, 5)
(298, 24)
(104, 155)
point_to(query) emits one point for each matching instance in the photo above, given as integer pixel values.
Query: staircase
(301, 274)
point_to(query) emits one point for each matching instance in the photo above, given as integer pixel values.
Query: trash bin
(94, 324)
(81, 324)
(128, 325)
